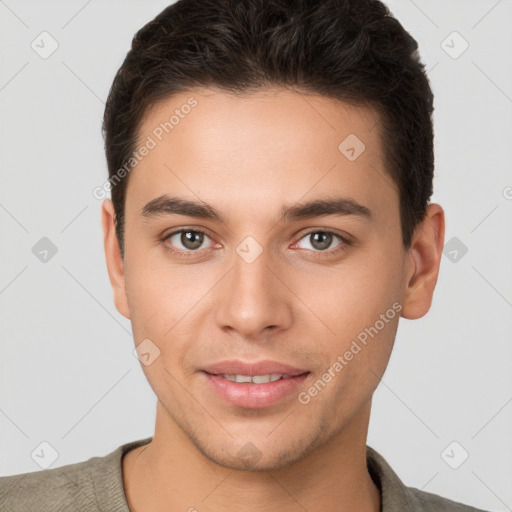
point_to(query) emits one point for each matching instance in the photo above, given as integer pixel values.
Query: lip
(237, 367)
(250, 395)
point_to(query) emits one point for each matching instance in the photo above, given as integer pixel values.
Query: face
(290, 264)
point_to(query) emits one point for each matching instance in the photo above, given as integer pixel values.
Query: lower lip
(254, 396)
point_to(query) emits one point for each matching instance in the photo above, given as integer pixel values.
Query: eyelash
(344, 242)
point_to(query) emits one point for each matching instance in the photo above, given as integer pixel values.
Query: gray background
(68, 376)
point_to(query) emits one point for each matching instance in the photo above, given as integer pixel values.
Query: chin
(259, 454)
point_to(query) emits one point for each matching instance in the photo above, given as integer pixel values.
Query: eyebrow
(337, 206)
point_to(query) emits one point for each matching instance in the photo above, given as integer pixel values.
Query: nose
(254, 300)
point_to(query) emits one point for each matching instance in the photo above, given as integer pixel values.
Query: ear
(115, 264)
(424, 258)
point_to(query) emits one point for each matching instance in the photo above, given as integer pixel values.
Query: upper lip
(238, 367)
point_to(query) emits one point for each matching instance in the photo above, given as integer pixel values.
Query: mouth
(255, 379)
(253, 385)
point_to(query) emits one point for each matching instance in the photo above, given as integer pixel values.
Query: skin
(250, 156)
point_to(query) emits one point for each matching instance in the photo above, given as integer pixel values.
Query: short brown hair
(352, 50)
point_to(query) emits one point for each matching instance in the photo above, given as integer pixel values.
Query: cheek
(352, 296)
(166, 305)
(360, 302)
(155, 298)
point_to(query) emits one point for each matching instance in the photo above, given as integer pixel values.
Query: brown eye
(321, 241)
(189, 239)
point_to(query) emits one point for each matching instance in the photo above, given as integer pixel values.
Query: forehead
(222, 121)
(259, 148)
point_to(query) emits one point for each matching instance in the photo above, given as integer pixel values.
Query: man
(271, 167)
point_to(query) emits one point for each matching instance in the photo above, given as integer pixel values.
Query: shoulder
(55, 489)
(89, 485)
(397, 497)
(428, 502)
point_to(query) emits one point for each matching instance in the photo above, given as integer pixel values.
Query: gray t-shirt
(96, 485)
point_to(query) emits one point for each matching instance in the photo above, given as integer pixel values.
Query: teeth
(263, 379)
(242, 378)
(255, 379)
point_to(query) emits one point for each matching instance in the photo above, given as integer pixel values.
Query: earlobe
(115, 264)
(424, 261)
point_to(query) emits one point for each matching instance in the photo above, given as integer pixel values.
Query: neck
(170, 473)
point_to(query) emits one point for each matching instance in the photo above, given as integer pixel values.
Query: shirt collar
(109, 484)
(394, 494)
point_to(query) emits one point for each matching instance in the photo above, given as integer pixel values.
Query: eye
(185, 242)
(321, 241)
(190, 240)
